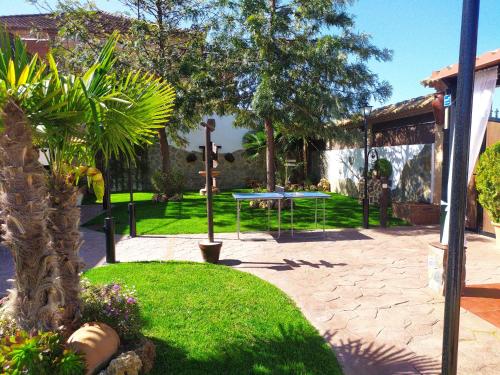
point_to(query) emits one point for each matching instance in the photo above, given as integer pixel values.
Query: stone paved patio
(365, 291)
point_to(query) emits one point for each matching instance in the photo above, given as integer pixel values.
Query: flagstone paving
(365, 290)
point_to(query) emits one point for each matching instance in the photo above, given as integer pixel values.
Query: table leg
(279, 218)
(316, 214)
(269, 214)
(324, 217)
(291, 213)
(238, 217)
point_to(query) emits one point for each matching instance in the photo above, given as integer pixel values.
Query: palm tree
(75, 118)
(34, 300)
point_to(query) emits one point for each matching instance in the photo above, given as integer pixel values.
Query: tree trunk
(63, 226)
(270, 159)
(305, 159)
(164, 151)
(34, 301)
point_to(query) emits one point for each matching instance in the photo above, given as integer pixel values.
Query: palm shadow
(369, 358)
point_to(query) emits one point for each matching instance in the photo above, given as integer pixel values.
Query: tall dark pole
(109, 224)
(366, 209)
(208, 182)
(131, 205)
(458, 199)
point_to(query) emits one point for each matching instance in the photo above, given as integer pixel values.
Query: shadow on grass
(369, 358)
(286, 265)
(292, 350)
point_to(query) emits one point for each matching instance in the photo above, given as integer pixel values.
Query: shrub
(113, 304)
(488, 181)
(324, 185)
(170, 183)
(383, 168)
(42, 353)
(229, 157)
(191, 157)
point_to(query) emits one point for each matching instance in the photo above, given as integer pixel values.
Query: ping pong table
(279, 196)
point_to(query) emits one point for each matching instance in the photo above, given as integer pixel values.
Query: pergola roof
(486, 60)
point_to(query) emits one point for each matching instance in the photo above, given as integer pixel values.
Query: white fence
(412, 178)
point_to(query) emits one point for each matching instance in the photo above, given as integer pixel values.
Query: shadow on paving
(292, 350)
(319, 236)
(360, 357)
(286, 265)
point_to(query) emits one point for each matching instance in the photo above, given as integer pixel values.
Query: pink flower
(131, 300)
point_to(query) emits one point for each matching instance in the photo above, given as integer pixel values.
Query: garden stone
(127, 363)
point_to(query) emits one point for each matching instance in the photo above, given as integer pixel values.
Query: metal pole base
(366, 213)
(131, 220)
(109, 230)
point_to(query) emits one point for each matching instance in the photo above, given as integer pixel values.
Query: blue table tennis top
(291, 195)
(306, 194)
(250, 196)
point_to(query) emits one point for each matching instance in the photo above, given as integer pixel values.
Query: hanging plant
(191, 157)
(229, 157)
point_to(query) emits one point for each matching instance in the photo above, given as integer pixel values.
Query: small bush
(170, 183)
(488, 181)
(42, 353)
(383, 167)
(114, 305)
(229, 157)
(191, 157)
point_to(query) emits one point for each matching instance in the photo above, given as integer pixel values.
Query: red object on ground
(483, 301)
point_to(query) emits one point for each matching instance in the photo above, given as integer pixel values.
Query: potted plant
(383, 168)
(488, 185)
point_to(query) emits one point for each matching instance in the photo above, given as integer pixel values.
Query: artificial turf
(209, 319)
(189, 215)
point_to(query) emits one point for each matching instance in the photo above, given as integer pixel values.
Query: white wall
(347, 164)
(225, 135)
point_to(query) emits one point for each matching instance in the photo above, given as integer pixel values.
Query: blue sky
(424, 35)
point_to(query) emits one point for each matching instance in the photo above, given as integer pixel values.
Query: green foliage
(383, 167)
(113, 304)
(488, 181)
(170, 183)
(42, 353)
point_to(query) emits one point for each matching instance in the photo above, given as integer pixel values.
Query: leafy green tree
(164, 37)
(296, 65)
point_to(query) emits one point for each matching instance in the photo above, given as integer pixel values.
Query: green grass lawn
(189, 215)
(209, 319)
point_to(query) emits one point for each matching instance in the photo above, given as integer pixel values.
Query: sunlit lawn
(189, 215)
(213, 320)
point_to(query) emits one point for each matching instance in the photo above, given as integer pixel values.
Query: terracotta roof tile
(484, 61)
(50, 22)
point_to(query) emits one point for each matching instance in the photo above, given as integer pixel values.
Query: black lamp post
(131, 205)
(458, 198)
(109, 224)
(367, 109)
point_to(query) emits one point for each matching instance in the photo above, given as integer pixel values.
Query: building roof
(486, 60)
(30, 21)
(410, 107)
(407, 108)
(50, 21)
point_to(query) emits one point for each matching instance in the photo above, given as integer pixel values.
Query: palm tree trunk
(63, 226)
(270, 159)
(164, 151)
(33, 303)
(305, 155)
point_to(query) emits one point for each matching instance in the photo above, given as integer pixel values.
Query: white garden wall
(412, 170)
(225, 135)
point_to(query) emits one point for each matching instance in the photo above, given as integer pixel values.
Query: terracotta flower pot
(210, 251)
